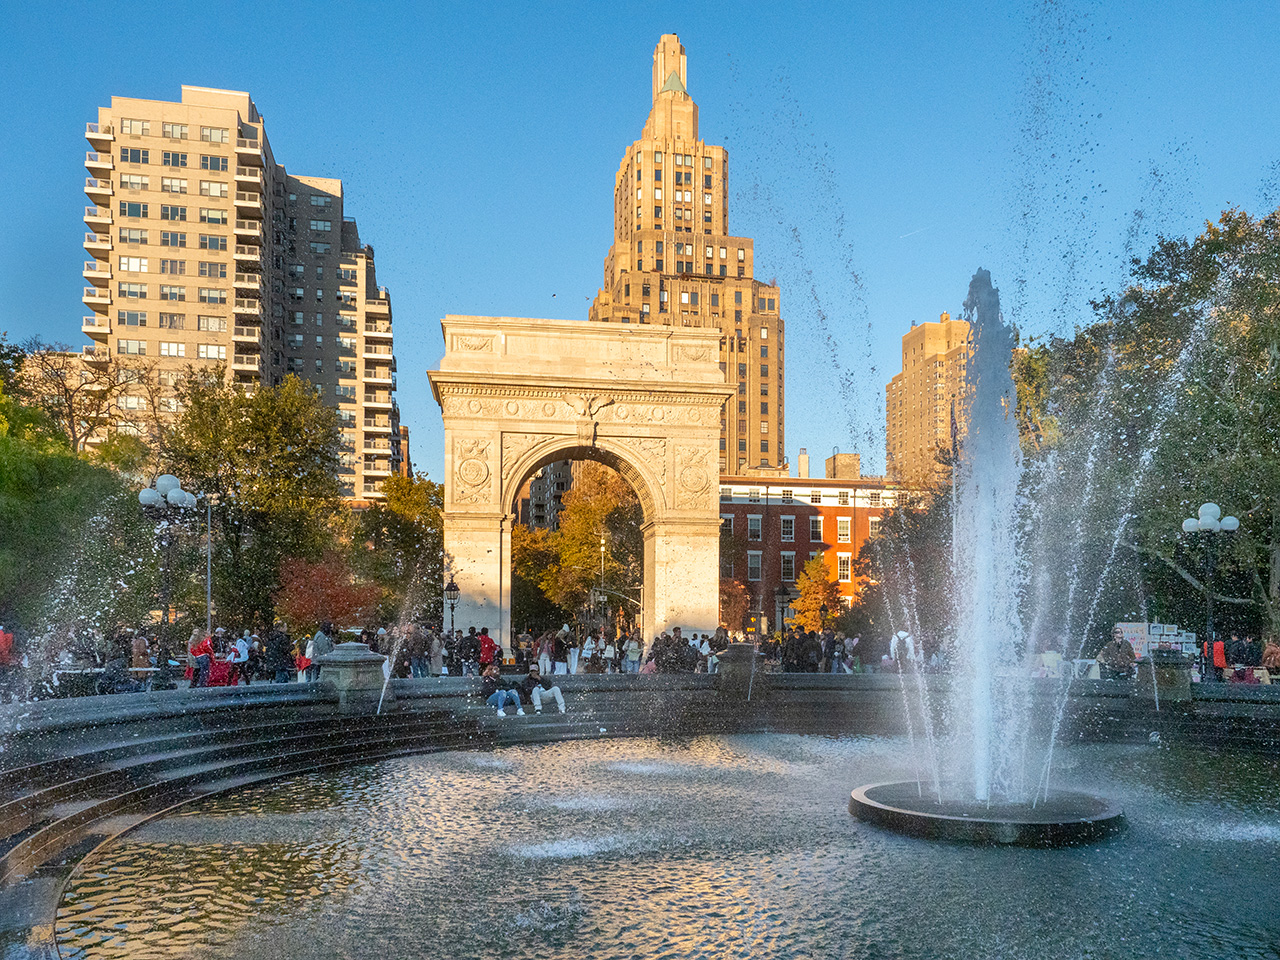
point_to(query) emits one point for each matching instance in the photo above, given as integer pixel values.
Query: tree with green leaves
(400, 545)
(267, 458)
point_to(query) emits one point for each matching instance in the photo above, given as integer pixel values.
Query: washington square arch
(517, 394)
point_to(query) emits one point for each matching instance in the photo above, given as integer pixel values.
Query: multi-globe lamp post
(1209, 520)
(168, 503)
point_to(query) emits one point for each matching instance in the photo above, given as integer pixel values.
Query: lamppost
(1209, 519)
(603, 599)
(166, 502)
(451, 594)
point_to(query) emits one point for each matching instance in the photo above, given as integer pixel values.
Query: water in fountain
(988, 710)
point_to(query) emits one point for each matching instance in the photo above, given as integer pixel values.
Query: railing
(96, 238)
(254, 332)
(377, 348)
(101, 212)
(101, 129)
(96, 185)
(244, 196)
(95, 321)
(244, 143)
(252, 226)
(94, 266)
(377, 327)
(95, 293)
(381, 396)
(96, 351)
(248, 304)
(377, 422)
(249, 250)
(252, 173)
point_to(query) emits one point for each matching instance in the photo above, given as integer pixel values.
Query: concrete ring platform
(1062, 819)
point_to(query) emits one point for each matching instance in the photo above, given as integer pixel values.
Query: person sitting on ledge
(496, 697)
(1115, 659)
(537, 688)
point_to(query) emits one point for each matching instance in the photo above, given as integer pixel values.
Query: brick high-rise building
(674, 262)
(207, 251)
(919, 401)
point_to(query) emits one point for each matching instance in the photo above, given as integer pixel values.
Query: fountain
(991, 736)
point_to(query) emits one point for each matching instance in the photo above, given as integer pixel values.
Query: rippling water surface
(712, 847)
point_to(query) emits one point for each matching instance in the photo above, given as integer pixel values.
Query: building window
(172, 349)
(168, 292)
(212, 268)
(874, 497)
(322, 226)
(133, 181)
(178, 267)
(874, 526)
(319, 249)
(213, 163)
(171, 239)
(726, 494)
(133, 264)
(133, 348)
(132, 235)
(132, 209)
(211, 295)
(842, 530)
(753, 565)
(172, 213)
(172, 321)
(215, 134)
(132, 318)
(211, 351)
(764, 371)
(753, 527)
(173, 185)
(134, 155)
(212, 188)
(212, 215)
(843, 498)
(764, 446)
(210, 242)
(844, 567)
(175, 131)
(815, 496)
(132, 291)
(788, 530)
(815, 529)
(788, 567)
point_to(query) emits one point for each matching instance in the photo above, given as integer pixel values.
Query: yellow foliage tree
(817, 590)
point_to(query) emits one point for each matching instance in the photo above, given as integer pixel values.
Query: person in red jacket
(488, 649)
(203, 654)
(1219, 658)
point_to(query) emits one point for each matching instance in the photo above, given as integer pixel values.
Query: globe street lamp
(167, 503)
(451, 594)
(1209, 519)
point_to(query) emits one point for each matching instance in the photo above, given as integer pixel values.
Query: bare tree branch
(1189, 577)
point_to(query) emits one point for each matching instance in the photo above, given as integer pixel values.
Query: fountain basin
(1062, 819)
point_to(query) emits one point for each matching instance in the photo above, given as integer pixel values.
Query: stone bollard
(1166, 672)
(355, 672)
(739, 673)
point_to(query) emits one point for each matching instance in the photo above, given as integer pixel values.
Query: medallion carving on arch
(472, 474)
(515, 446)
(693, 478)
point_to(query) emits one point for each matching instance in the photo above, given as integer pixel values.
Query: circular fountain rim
(1057, 822)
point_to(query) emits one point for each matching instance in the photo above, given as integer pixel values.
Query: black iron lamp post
(1209, 519)
(451, 594)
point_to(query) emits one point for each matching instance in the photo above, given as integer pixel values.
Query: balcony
(378, 445)
(251, 282)
(377, 328)
(246, 334)
(99, 191)
(249, 229)
(247, 251)
(99, 133)
(97, 272)
(98, 164)
(98, 217)
(249, 152)
(98, 298)
(247, 305)
(97, 243)
(377, 398)
(250, 204)
(250, 178)
(377, 423)
(95, 353)
(95, 326)
(377, 351)
(378, 305)
(245, 363)
(382, 469)
(379, 376)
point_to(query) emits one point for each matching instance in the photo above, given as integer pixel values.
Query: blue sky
(879, 153)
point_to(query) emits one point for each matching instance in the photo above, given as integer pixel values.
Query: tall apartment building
(919, 401)
(207, 251)
(673, 261)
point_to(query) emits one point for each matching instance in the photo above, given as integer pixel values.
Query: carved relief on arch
(515, 446)
(694, 486)
(652, 452)
(472, 470)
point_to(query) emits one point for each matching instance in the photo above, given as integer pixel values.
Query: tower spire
(670, 70)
